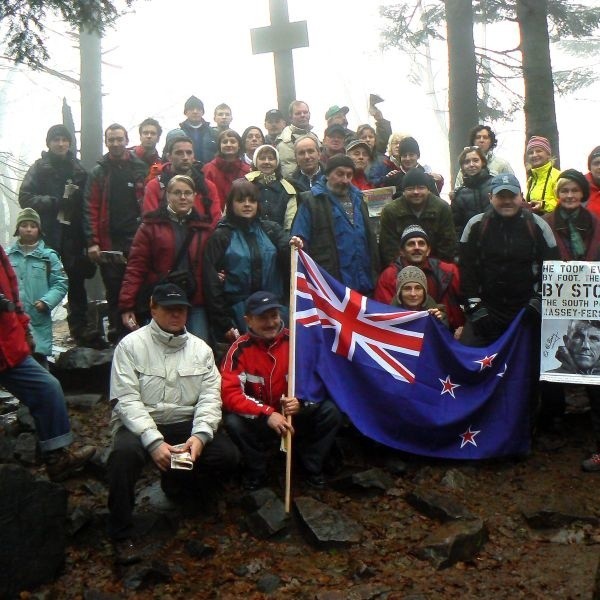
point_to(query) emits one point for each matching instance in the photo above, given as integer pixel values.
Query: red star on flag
(468, 437)
(486, 362)
(448, 386)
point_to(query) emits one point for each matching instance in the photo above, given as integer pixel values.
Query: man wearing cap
(113, 198)
(333, 142)
(274, 124)
(333, 222)
(501, 256)
(337, 115)
(417, 206)
(442, 277)
(165, 395)
(198, 130)
(360, 153)
(299, 115)
(32, 385)
(54, 187)
(254, 391)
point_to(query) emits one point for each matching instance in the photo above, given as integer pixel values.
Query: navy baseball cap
(505, 181)
(260, 302)
(169, 294)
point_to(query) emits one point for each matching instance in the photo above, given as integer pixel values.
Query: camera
(6, 305)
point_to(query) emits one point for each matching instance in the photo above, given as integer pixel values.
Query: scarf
(575, 240)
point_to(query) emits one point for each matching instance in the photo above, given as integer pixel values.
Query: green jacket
(435, 219)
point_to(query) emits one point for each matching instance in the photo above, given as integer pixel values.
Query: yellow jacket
(541, 184)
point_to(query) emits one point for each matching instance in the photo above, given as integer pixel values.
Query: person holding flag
(255, 401)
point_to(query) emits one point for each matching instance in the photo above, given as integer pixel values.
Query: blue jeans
(197, 323)
(41, 393)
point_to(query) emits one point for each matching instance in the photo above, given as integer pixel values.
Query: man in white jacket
(165, 392)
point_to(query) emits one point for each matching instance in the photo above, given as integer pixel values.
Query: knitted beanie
(193, 102)
(415, 177)
(536, 141)
(339, 160)
(409, 145)
(411, 275)
(413, 231)
(58, 131)
(28, 214)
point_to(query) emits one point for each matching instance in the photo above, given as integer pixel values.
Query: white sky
(167, 50)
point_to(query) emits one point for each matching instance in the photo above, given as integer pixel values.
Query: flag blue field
(401, 377)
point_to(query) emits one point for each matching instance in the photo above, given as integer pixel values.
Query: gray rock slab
(83, 358)
(252, 501)
(25, 419)
(454, 542)
(437, 506)
(145, 575)
(26, 448)
(454, 479)
(370, 480)
(32, 513)
(268, 520)
(83, 401)
(554, 512)
(268, 583)
(326, 526)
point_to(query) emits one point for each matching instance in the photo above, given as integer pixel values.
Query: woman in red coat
(170, 240)
(227, 166)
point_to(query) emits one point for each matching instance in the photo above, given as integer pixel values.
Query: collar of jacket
(543, 170)
(169, 340)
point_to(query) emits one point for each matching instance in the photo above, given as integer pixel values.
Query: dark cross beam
(281, 37)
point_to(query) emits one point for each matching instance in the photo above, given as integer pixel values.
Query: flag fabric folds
(401, 377)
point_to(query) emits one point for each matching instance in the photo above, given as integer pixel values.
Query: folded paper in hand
(183, 460)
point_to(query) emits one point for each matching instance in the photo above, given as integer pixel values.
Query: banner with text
(570, 341)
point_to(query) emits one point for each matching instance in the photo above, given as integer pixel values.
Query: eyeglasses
(471, 148)
(179, 193)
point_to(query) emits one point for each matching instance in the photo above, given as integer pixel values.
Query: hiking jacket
(41, 276)
(541, 184)
(254, 374)
(96, 222)
(470, 199)
(273, 197)
(435, 219)
(223, 173)
(158, 378)
(588, 226)
(43, 189)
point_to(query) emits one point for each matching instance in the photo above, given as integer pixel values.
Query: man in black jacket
(54, 187)
(501, 256)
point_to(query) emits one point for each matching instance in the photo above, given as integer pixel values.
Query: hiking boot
(316, 481)
(62, 463)
(591, 464)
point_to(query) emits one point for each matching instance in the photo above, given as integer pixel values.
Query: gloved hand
(43, 203)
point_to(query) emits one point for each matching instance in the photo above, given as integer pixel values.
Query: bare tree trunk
(462, 76)
(91, 97)
(540, 112)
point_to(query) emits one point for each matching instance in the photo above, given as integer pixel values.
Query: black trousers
(316, 426)
(77, 269)
(128, 457)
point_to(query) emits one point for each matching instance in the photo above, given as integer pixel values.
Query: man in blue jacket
(333, 222)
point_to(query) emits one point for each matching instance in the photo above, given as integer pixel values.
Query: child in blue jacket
(42, 279)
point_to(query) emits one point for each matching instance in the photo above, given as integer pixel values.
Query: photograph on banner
(570, 340)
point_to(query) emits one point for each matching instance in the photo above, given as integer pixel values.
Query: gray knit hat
(411, 275)
(28, 214)
(413, 231)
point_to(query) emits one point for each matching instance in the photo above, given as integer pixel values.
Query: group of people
(193, 248)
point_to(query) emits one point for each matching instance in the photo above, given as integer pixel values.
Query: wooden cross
(281, 37)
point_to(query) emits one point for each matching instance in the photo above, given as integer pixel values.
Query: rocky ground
(389, 526)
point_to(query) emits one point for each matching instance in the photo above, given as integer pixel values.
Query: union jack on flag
(363, 331)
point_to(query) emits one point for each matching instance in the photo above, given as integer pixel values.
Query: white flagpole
(291, 391)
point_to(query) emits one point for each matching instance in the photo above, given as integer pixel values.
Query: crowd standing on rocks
(185, 283)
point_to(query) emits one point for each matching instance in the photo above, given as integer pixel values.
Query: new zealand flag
(401, 377)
